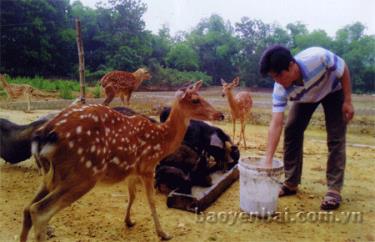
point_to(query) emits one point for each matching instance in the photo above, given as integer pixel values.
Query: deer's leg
(131, 187)
(148, 181)
(43, 210)
(128, 97)
(122, 97)
(243, 125)
(28, 101)
(234, 128)
(109, 95)
(40, 168)
(27, 223)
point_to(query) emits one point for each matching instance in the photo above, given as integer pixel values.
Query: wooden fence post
(81, 59)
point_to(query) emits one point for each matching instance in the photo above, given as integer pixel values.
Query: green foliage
(121, 37)
(94, 77)
(96, 91)
(126, 58)
(161, 45)
(64, 87)
(254, 36)
(315, 38)
(38, 40)
(2, 92)
(174, 78)
(295, 30)
(358, 51)
(66, 93)
(177, 78)
(216, 46)
(182, 57)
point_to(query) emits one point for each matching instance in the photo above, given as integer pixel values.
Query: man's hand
(266, 162)
(274, 133)
(348, 110)
(347, 106)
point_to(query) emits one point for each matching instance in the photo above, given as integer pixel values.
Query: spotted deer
(22, 91)
(87, 144)
(240, 106)
(122, 83)
(17, 91)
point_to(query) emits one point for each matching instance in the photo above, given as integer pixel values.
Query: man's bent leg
(336, 132)
(298, 119)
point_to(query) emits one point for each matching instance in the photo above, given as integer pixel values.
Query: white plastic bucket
(259, 186)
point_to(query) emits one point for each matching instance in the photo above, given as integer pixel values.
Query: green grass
(66, 88)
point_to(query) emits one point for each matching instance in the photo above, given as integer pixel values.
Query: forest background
(38, 40)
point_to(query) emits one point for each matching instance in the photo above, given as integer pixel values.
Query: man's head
(278, 62)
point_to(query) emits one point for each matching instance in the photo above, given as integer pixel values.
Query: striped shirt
(321, 72)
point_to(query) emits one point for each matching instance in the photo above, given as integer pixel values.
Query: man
(313, 76)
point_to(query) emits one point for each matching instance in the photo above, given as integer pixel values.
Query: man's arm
(274, 133)
(347, 106)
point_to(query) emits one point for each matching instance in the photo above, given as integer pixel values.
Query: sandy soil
(98, 216)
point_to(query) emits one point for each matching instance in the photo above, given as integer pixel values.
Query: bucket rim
(242, 163)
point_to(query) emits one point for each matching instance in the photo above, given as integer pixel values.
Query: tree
(296, 29)
(94, 57)
(216, 46)
(358, 51)
(36, 37)
(182, 57)
(121, 40)
(315, 38)
(161, 44)
(254, 37)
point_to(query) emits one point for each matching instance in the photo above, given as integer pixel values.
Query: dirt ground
(99, 215)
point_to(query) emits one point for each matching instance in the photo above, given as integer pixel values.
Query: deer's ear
(186, 86)
(222, 81)
(236, 81)
(197, 85)
(180, 94)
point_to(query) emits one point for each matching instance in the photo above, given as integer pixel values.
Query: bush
(3, 92)
(66, 93)
(94, 77)
(96, 91)
(174, 78)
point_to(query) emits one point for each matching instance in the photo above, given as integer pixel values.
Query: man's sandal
(331, 201)
(285, 191)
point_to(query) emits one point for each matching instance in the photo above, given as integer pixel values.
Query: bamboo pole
(81, 60)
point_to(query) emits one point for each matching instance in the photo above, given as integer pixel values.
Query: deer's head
(227, 87)
(142, 74)
(195, 106)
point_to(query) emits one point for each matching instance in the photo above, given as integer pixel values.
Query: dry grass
(99, 215)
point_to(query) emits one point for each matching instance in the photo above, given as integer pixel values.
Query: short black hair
(275, 58)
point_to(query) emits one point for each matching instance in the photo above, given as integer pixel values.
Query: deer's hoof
(164, 236)
(129, 223)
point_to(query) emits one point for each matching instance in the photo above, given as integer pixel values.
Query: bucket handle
(275, 180)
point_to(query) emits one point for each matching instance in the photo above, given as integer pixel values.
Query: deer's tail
(43, 147)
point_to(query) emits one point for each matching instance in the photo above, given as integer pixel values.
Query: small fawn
(240, 106)
(18, 91)
(86, 144)
(122, 83)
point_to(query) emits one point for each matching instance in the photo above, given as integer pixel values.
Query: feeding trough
(203, 197)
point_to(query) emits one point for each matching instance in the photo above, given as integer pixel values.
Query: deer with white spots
(240, 106)
(87, 144)
(122, 83)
